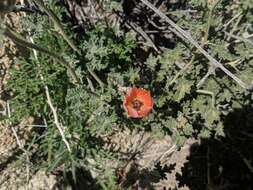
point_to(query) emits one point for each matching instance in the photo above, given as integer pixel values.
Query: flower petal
(131, 112)
(141, 95)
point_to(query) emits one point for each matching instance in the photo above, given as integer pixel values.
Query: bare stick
(172, 149)
(239, 38)
(210, 71)
(56, 119)
(21, 147)
(235, 26)
(247, 163)
(94, 75)
(183, 70)
(180, 32)
(53, 109)
(231, 20)
(144, 35)
(210, 15)
(58, 25)
(205, 92)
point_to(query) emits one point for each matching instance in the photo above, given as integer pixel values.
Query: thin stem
(26, 9)
(182, 70)
(56, 118)
(239, 38)
(205, 92)
(209, 20)
(204, 42)
(235, 26)
(21, 146)
(16, 38)
(90, 84)
(210, 71)
(57, 24)
(53, 109)
(231, 20)
(94, 75)
(247, 163)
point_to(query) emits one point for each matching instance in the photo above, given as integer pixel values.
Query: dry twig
(53, 109)
(56, 118)
(239, 38)
(211, 71)
(21, 147)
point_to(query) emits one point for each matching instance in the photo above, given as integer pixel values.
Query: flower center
(137, 104)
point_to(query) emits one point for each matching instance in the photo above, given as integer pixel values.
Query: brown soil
(148, 162)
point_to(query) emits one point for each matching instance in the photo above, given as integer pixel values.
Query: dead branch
(56, 118)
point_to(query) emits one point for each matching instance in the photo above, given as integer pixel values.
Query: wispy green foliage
(103, 49)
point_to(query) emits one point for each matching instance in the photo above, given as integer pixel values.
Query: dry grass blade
(56, 119)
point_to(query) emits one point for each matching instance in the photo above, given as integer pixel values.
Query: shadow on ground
(225, 163)
(144, 178)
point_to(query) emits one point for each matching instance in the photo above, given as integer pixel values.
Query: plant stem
(183, 70)
(16, 38)
(209, 20)
(57, 24)
(94, 75)
(205, 92)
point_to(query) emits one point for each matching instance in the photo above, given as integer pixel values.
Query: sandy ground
(143, 154)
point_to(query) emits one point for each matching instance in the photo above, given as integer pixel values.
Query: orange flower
(137, 102)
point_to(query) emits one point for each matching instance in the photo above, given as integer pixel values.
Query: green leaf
(182, 89)
(219, 130)
(211, 115)
(188, 130)
(151, 62)
(205, 133)
(196, 3)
